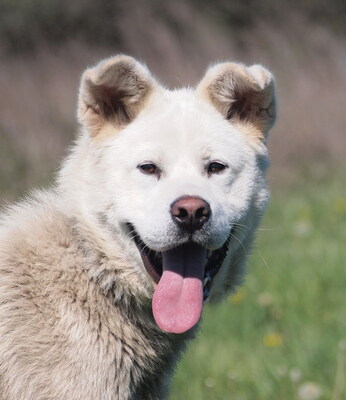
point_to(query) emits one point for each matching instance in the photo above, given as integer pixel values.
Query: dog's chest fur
(75, 339)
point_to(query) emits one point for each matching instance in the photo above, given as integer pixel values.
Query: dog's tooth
(206, 281)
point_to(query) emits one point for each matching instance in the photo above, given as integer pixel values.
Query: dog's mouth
(184, 275)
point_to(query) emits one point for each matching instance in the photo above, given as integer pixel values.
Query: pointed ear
(114, 91)
(241, 94)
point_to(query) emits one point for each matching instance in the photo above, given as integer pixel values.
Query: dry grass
(38, 92)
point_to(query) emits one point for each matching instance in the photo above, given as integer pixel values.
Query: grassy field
(283, 335)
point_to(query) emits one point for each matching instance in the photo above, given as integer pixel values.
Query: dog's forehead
(180, 108)
(183, 120)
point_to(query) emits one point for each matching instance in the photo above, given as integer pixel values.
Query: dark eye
(216, 167)
(148, 168)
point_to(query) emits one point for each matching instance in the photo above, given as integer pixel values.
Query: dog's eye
(215, 167)
(148, 168)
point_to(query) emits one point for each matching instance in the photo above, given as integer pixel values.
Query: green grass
(287, 324)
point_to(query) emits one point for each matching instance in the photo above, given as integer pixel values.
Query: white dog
(103, 278)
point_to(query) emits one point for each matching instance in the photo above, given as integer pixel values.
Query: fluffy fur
(76, 318)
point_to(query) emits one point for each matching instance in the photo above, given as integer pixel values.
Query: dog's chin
(153, 260)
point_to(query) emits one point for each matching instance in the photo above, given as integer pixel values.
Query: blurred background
(283, 335)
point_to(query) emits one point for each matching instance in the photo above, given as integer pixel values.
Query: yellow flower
(237, 297)
(339, 205)
(273, 339)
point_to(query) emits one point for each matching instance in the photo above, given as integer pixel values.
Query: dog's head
(179, 175)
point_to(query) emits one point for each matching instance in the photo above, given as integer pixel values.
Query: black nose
(190, 212)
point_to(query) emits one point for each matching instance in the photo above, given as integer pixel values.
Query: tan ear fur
(113, 91)
(241, 94)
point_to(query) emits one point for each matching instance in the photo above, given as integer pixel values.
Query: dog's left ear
(114, 91)
(241, 94)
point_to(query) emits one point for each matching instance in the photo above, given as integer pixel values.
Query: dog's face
(178, 174)
(183, 151)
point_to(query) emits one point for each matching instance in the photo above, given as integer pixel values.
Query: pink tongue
(178, 298)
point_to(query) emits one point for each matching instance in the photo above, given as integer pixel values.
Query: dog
(103, 277)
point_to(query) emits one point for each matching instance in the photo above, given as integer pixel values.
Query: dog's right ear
(113, 91)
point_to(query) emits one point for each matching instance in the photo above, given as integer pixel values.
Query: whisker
(242, 244)
(263, 259)
(144, 246)
(133, 235)
(237, 224)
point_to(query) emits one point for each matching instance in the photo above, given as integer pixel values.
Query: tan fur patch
(106, 131)
(251, 131)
